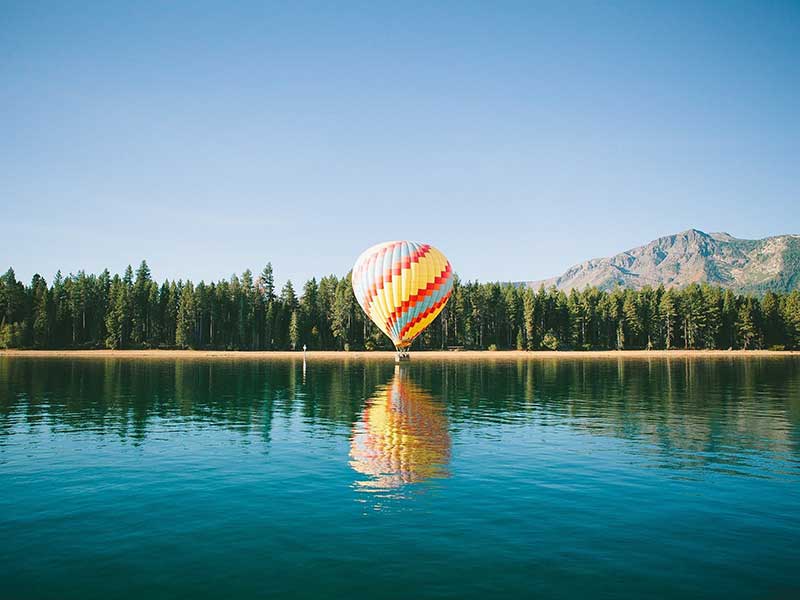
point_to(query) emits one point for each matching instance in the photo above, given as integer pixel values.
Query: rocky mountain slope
(691, 256)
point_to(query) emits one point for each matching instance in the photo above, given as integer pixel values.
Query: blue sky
(519, 138)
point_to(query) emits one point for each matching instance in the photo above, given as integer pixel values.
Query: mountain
(692, 256)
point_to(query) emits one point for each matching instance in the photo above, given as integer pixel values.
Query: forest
(246, 312)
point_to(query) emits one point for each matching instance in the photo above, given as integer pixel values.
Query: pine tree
(78, 302)
(589, 299)
(269, 325)
(11, 298)
(577, 318)
(309, 317)
(617, 317)
(693, 311)
(462, 327)
(746, 324)
(267, 283)
(153, 315)
(342, 313)
(115, 316)
(41, 319)
(669, 316)
(60, 312)
(773, 326)
(294, 330)
(325, 298)
(791, 318)
(650, 314)
(139, 303)
(127, 310)
(98, 328)
(288, 297)
(529, 317)
(712, 310)
(630, 315)
(728, 317)
(248, 311)
(170, 300)
(185, 326)
(511, 315)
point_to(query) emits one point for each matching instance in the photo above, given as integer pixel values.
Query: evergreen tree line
(248, 313)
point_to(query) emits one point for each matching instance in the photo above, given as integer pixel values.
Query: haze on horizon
(519, 139)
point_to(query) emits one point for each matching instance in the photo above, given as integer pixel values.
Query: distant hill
(746, 266)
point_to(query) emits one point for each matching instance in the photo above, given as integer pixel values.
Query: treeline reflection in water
(401, 421)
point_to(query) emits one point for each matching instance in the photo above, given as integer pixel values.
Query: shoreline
(389, 355)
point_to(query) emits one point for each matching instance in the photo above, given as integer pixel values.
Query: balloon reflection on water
(401, 438)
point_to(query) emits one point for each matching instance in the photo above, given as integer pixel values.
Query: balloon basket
(402, 356)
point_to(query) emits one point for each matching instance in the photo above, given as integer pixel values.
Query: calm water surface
(563, 479)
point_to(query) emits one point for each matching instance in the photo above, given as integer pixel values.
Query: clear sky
(519, 138)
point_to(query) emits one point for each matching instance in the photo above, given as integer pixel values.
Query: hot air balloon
(402, 286)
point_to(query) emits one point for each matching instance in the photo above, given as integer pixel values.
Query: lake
(566, 478)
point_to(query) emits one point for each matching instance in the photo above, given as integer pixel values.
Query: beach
(456, 355)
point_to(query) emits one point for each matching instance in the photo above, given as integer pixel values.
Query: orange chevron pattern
(402, 286)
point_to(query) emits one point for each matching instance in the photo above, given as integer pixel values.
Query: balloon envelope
(402, 286)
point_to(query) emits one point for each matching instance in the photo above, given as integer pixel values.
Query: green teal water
(618, 478)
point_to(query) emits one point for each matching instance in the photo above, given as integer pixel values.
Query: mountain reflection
(402, 436)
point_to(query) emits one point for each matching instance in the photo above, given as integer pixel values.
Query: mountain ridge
(692, 256)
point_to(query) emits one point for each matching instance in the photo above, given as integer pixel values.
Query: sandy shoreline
(389, 356)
